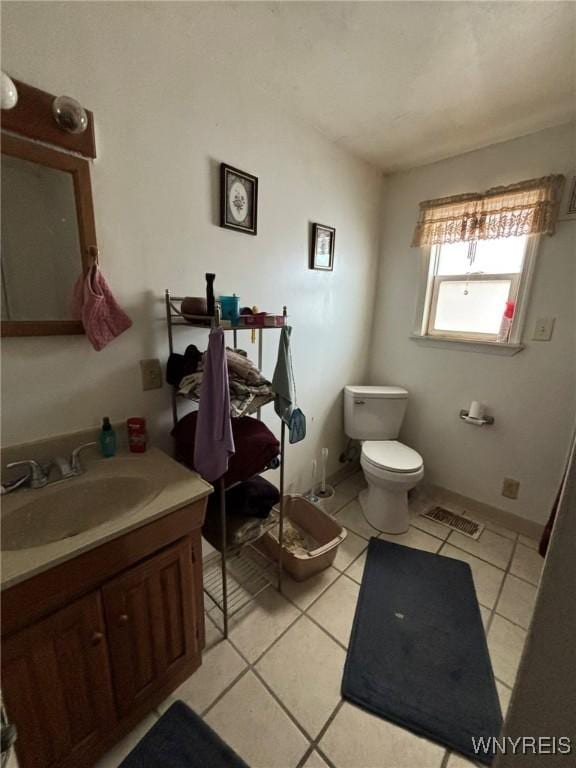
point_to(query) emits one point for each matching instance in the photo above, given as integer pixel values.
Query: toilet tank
(374, 413)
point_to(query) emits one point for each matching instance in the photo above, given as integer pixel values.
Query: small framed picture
(238, 200)
(322, 248)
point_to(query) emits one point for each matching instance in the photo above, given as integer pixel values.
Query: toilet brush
(311, 495)
(326, 491)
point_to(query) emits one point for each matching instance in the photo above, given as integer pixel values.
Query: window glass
(494, 257)
(476, 306)
(453, 259)
(491, 257)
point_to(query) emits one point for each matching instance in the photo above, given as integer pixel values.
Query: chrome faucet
(63, 466)
(36, 477)
(76, 464)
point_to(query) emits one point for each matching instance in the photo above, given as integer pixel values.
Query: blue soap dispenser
(107, 439)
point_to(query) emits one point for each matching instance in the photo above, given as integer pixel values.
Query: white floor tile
(517, 601)
(356, 738)
(114, 757)
(356, 570)
(528, 542)
(315, 761)
(221, 665)
(527, 564)
(303, 593)
(352, 517)
(504, 694)
(304, 669)
(344, 492)
(253, 629)
(252, 722)
(457, 761)
(492, 526)
(505, 642)
(207, 549)
(485, 613)
(415, 538)
(490, 546)
(349, 550)
(335, 609)
(487, 578)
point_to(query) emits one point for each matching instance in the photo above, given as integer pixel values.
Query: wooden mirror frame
(79, 168)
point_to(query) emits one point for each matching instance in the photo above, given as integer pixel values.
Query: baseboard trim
(499, 516)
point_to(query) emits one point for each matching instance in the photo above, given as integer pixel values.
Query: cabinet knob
(123, 618)
(96, 638)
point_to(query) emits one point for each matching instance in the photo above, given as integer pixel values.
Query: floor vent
(464, 525)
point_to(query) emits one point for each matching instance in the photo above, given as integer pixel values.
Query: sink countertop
(175, 487)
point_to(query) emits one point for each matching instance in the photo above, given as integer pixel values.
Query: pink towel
(92, 303)
(214, 441)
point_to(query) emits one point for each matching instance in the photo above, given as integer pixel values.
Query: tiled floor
(272, 690)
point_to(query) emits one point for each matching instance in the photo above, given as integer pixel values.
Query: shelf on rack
(246, 578)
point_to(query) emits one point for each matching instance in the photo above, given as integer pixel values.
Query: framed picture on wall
(238, 200)
(322, 247)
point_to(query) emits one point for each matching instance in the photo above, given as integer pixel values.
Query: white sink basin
(68, 508)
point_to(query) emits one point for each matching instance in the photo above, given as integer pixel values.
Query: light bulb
(69, 114)
(9, 94)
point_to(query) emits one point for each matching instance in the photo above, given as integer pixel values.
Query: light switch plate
(151, 373)
(543, 329)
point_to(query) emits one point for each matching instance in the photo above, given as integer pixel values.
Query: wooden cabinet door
(56, 685)
(151, 617)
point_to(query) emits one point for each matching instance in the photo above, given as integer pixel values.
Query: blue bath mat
(418, 653)
(181, 739)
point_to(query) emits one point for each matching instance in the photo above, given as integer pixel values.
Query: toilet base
(385, 509)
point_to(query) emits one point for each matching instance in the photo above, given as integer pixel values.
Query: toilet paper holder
(484, 421)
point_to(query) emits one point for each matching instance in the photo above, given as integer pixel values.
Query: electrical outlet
(151, 373)
(543, 329)
(510, 488)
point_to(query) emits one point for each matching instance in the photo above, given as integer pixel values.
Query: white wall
(532, 395)
(168, 109)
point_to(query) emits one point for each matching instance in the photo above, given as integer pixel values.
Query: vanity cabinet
(65, 655)
(152, 623)
(92, 645)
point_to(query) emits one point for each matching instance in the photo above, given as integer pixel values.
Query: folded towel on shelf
(179, 366)
(239, 530)
(254, 497)
(249, 390)
(241, 367)
(256, 446)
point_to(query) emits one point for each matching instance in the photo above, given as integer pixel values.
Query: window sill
(466, 345)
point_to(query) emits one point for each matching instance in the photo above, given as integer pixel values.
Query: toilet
(374, 416)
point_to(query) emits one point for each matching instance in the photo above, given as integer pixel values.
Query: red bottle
(137, 436)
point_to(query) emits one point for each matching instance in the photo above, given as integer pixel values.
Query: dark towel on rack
(179, 366)
(256, 446)
(252, 498)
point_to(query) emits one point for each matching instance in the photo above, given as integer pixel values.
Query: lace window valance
(526, 208)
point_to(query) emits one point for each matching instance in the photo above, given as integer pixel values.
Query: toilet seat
(391, 456)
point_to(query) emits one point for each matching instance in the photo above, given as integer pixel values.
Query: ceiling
(400, 83)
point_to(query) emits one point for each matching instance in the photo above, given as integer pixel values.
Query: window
(480, 250)
(471, 285)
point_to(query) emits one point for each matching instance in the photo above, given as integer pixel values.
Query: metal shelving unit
(231, 579)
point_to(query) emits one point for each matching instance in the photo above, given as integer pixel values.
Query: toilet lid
(391, 455)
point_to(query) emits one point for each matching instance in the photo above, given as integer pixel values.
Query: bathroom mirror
(48, 236)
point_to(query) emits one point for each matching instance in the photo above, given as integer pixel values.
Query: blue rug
(418, 655)
(181, 739)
